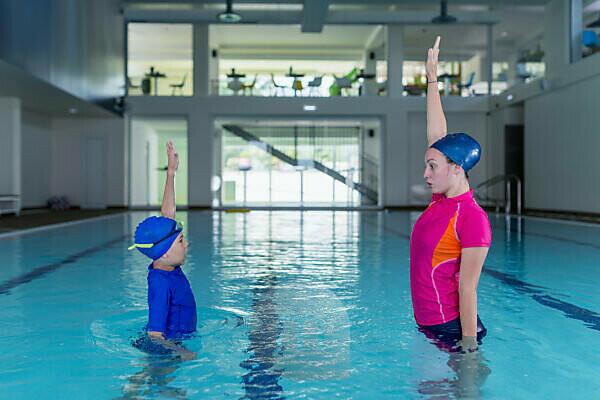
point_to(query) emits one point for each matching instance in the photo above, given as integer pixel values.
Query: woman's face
(440, 175)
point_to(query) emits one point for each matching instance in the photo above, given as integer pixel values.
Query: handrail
(508, 180)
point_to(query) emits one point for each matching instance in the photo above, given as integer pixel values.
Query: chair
(179, 86)
(314, 85)
(297, 86)
(130, 85)
(249, 86)
(467, 85)
(342, 83)
(522, 71)
(589, 38)
(277, 86)
(146, 85)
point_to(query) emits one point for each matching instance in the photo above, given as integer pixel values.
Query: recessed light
(73, 110)
(509, 97)
(309, 107)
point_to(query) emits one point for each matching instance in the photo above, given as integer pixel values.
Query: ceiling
(42, 97)
(519, 26)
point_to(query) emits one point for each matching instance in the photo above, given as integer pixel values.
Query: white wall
(68, 161)
(561, 148)
(10, 150)
(143, 181)
(468, 114)
(36, 159)
(74, 45)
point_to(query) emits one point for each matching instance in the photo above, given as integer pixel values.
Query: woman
(450, 240)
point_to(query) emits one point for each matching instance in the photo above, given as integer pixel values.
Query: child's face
(178, 251)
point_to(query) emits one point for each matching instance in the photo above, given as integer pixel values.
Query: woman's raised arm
(436, 120)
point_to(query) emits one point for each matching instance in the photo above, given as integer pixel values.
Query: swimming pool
(296, 305)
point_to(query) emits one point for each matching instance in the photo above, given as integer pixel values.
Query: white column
(213, 71)
(489, 58)
(561, 37)
(393, 166)
(10, 151)
(200, 160)
(201, 56)
(395, 57)
(370, 85)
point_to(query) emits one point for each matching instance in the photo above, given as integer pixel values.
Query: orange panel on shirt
(448, 248)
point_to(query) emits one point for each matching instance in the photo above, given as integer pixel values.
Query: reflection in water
(154, 379)
(471, 372)
(298, 327)
(261, 381)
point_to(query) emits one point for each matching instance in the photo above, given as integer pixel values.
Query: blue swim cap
(461, 148)
(155, 235)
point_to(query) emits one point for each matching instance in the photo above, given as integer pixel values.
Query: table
(297, 83)
(235, 75)
(155, 75)
(293, 74)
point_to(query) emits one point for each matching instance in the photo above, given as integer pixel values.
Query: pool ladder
(511, 182)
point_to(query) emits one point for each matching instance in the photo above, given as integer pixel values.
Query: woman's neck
(461, 188)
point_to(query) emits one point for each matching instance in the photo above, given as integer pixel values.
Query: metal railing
(299, 146)
(508, 181)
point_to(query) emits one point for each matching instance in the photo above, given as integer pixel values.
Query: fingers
(436, 45)
(170, 146)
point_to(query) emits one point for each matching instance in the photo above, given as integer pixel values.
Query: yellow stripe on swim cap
(140, 245)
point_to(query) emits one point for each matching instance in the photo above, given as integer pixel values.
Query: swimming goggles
(177, 227)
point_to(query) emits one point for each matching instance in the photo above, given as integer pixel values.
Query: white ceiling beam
(295, 17)
(350, 2)
(314, 15)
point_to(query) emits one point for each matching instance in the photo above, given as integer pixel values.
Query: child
(171, 304)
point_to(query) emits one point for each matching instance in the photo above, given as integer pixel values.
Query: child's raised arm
(168, 203)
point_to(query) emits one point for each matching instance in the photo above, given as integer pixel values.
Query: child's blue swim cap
(461, 148)
(155, 235)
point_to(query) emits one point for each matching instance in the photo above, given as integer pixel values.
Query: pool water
(292, 304)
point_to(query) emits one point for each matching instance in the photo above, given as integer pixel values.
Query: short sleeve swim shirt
(171, 303)
(447, 226)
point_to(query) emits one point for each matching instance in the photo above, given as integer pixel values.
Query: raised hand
(432, 61)
(172, 157)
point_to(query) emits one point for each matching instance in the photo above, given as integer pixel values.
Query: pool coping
(27, 231)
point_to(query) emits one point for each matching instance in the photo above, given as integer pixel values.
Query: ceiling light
(443, 18)
(229, 16)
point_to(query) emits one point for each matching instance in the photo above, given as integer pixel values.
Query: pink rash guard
(447, 226)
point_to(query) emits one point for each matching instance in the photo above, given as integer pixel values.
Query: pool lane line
(543, 235)
(43, 270)
(261, 382)
(589, 318)
(20, 232)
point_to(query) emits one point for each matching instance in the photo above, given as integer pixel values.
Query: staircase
(366, 191)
